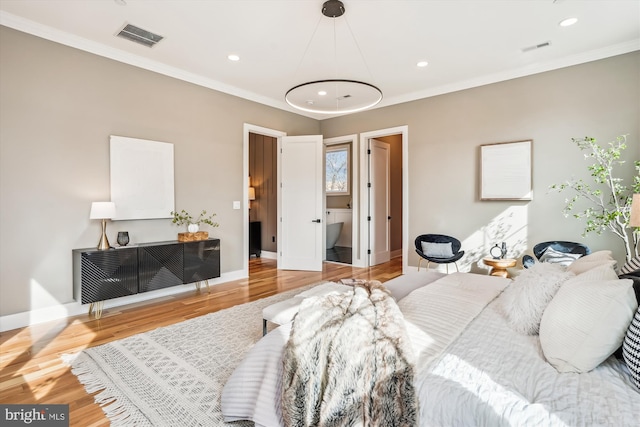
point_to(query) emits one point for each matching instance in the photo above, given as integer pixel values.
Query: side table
(499, 266)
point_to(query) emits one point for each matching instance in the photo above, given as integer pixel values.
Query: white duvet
(486, 375)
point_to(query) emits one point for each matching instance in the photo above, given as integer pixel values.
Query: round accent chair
(438, 248)
(559, 246)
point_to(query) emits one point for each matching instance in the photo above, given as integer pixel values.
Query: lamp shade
(102, 210)
(634, 221)
(252, 193)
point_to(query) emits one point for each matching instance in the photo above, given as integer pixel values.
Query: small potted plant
(193, 224)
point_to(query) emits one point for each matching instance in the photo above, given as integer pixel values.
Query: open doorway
(360, 201)
(339, 191)
(384, 217)
(260, 192)
(263, 195)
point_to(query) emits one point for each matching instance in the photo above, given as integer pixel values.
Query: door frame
(246, 130)
(360, 221)
(364, 194)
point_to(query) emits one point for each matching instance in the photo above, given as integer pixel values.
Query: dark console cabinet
(105, 274)
(201, 260)
(160, 266)
(255, 238)
(100, 275)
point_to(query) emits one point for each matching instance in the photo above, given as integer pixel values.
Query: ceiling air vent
(138, 35)
(537, 46)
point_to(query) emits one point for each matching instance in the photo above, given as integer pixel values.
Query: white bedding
(488, 375)
(494, 376)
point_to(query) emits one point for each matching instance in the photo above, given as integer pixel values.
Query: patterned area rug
(174, 375)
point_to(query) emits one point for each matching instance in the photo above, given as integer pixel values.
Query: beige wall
(58, 106)
(599, 99)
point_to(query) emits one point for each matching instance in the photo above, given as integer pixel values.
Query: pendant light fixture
(334, 96)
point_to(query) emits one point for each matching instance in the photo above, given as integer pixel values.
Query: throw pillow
(562, 258)
(631, 349)
(590, 261)
(601, 273)
(631, 266)
(524, 301)
(586, 322)
(635, 276)
(437, 250)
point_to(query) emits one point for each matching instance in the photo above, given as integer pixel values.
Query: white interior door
(300, 207)
(379, 202)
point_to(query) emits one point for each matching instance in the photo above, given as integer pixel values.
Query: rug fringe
(84, 369)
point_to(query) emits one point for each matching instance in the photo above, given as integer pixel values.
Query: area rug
(174, 375)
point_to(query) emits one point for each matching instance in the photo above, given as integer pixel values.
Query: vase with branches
(607, 203)
(185, 218)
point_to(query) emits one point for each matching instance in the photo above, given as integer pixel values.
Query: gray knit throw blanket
(349, 362)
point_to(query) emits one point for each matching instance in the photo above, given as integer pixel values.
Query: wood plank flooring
(30, 367)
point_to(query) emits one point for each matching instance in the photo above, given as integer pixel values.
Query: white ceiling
(284, 43)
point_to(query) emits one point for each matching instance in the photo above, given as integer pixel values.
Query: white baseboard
(60, 311)
(269, 255)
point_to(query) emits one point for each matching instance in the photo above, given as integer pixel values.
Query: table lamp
(252, 193)
(634, 220)
(103, 211)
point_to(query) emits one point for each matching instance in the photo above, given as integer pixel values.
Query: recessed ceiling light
(422, 64)
(233, 58)
(322, 93)
(568, 22)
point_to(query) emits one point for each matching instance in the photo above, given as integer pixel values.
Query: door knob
(316, 220)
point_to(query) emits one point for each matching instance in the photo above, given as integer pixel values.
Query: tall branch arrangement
(609, 200)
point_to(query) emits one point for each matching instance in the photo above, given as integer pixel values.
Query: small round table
(499, 266)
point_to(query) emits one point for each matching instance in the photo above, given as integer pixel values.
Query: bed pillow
(595, 259)
(557, 257)
(586, 321)
(630, 266)
(524, 301)
(631, 349)
(437, 250)
(601, 273)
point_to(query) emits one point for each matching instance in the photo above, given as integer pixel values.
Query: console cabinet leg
(97, 306)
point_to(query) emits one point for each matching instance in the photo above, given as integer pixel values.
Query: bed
(479, 358)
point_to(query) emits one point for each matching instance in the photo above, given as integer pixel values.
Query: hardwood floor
(30, 367)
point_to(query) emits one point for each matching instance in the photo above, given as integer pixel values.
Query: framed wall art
(505, 171)
(142, 185)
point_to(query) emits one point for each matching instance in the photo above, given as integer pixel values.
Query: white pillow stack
(524, 301)
(587, 319)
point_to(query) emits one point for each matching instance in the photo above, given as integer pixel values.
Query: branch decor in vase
(604, 205)
(193, 225)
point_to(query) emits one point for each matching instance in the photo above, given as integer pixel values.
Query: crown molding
(43, 31)
(64, 38)
(515, 73)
